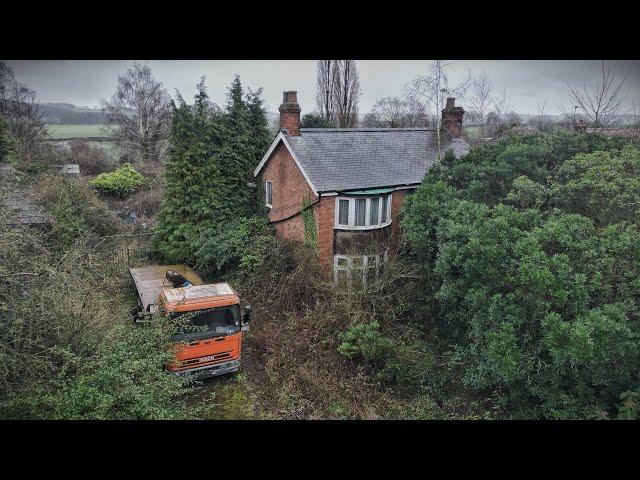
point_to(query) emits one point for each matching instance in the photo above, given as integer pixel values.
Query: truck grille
(209, 358)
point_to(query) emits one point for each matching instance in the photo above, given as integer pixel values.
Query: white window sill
(269, 206)
(369, 227)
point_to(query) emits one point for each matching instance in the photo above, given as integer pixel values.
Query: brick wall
(325, 220)
(397, 200)
(289, 191)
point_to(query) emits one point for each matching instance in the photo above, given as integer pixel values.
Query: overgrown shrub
(244, 243)
(92, 160)
(149, 199)
(48, 299)
(629, 407)
(7, 148)
(75, 209)
(539, 298)
(365, 341)
(404, 366)
(68, 348)
(119, 183)
(123, 380)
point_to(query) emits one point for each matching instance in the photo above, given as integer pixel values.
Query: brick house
(353, 180)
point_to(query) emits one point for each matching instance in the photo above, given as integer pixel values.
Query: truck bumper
(210, 370)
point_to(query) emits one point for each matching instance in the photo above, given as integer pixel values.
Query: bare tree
(395, 112)
(479, 97)
(21, 110)
(433, 89)
(346, 92)
(501, 106)
(602, 103)
(140, 111)
(325, 86)
(542, 121)
(390, 112)
(635, 126)
(571, 118)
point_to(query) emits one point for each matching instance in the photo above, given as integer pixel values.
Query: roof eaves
(266, 156)
(282, 137)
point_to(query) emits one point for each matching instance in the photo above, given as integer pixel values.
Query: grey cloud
(528, 83)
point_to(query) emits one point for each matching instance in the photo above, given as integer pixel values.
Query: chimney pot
(290, 97)
(290, 113)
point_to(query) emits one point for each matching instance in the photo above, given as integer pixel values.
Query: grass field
(76, 131)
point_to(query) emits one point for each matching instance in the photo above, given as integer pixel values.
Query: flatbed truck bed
(151, 280)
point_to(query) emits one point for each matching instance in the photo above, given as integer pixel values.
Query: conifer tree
(210, 162)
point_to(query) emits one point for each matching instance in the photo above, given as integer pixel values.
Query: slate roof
(358, 158)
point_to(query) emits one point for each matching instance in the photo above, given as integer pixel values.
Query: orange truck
(210, 343)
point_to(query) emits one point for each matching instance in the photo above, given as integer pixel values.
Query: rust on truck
(150, 281)
(214, 346)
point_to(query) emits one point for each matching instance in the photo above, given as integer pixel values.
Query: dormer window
(359, 212)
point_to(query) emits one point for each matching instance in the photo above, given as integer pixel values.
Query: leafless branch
(602, 103)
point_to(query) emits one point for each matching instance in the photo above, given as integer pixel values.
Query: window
(374, 213)
(343, 212)
(361, 210)
(268, 192)
(356, 271)
(208, 323)
(362, 213)
(384, 209)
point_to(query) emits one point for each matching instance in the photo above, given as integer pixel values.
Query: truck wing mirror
(247, 314)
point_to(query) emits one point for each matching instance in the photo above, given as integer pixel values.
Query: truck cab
(209, 342)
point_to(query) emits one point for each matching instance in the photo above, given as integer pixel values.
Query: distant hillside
(68, 114)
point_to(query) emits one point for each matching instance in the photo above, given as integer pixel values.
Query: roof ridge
(368, 129)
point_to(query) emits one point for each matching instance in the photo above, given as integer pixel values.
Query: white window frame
(352, 212)
(378, 260)
(338, 213)
(266, 193)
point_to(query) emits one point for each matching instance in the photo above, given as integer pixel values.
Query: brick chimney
(452, 118)
(290, 114)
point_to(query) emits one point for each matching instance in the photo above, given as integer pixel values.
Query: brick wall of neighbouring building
(290, 189)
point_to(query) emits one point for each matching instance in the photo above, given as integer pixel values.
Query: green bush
(538, 298)
(364, 341)
(119, 183)
(244, 243)
(75, 209)
(629, 408)
(124, 380)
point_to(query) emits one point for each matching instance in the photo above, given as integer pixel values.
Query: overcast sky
(528, 83)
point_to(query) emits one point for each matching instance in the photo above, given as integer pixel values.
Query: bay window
(362, 213)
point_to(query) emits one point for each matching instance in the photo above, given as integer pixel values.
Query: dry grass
(291, 356)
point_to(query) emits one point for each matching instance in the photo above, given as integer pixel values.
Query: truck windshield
(208, 323)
